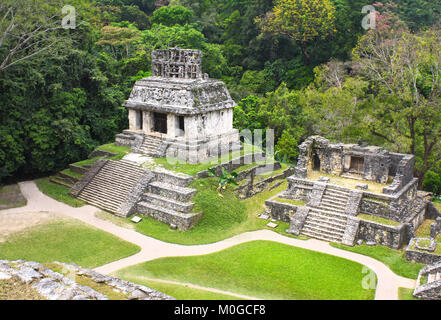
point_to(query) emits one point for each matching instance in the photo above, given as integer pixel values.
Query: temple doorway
(316, 162)
(357, 164)
(160, 122)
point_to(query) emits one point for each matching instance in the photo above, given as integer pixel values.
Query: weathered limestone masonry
(179, 112)
(55, 286)
(124, 189)
(429, 283)
(115, 186)
(331, 210)
(168, 199)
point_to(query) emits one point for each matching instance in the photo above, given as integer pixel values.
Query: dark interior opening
(139, 120)
(160, 122)
(181, 124)
(357, 164)
(316, 162)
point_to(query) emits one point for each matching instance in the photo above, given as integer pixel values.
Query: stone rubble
(55, 286)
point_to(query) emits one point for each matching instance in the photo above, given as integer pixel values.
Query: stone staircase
(168, 199)
(150, 146)
(431, 289)
(328, 220)
(112, 185)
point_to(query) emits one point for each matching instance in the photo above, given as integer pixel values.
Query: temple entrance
(139, 120)
(357, 164)
(315, 162)
(160, 122)
(181, 126)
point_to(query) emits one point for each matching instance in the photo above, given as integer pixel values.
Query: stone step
(323, 230)
(325, 226)
(334, 191)
(333, 201)
(431, 277)
(323, 220)
(321, 236)
(112, 185)
(183, 221)
(166, 190)
(106, 183)
(100, 204)
(105, 196)
(336, 220)
(336, 198)
(329, 213)
(332, 207)
(438, 276)
(126, 170)
(178, 206)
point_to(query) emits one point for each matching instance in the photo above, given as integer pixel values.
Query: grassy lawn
(120, 151)
(11, 197)
(67, 241)
(394, 259)
(223, 217)
(406, 294)
(378, 220)
(192, 169)
(263, 269)
(57, 192)
(182, 292)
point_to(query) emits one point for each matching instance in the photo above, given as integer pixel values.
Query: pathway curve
(151, 249)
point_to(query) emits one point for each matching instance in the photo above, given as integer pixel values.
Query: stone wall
(420, 256)
(299, 189)
(280, 211)
(52, 285)
(379, 234)
(404, 174)
(233, 164)
(182, 221)
(128, 206)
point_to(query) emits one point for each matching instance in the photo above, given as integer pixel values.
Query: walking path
(151, 249)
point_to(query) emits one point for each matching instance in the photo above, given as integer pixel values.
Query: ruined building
(179, 112)
(352, 194)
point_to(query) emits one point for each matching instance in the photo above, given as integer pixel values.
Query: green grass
(192, 169)
(11, 197)
(57, 192)
(378, 220)
(72, 174)
(120, 151)
(263, 269)
(66, 241)
(222, 217)
(87, 162)
(424, 230)
(405, 294)
(182, 292)
(394, 259)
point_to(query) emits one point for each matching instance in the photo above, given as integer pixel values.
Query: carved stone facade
(189, 113)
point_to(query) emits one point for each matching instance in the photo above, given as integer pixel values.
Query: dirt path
(151, 249)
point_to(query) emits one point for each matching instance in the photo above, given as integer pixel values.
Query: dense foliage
(300, 67)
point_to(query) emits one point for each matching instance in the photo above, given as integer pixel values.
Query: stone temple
(179, 112)
(347, 193)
